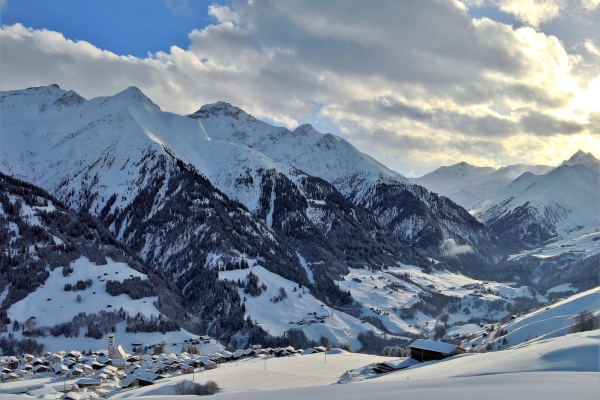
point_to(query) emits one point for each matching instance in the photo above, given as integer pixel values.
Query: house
(396, 365)
(141, 378)
(186, 368)
(427, 350)
(74, 354)
(71, 396)
(59, 369)
(87, 382)
(38, 369)
(75, 372)
(9, 377)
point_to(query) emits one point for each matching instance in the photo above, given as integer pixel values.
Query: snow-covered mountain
(552, 214)
(411, 212)
(65, 279)
(467, 184)
(187, 204)
(528, 203)
(218, 194)
(535, 208)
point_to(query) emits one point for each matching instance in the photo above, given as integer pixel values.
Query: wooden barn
(427, 350)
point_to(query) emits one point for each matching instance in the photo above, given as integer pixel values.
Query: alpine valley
(118, 217)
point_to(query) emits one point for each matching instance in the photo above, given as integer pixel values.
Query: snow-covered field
(565, 367)
(584, 243)
(553, 320)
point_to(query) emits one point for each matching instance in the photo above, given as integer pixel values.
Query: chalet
(27, 358)
(10, 363)
(75, 372)
(321, 349)
(71, 396)
(102, 359)
(74, 354)
(141, 378)
(186, 368)
(427, 350)
(38, 369)
(310, 350)
(9, 377)
(37, 361)
(59, 369)
(89, 383)
(69, 362)
(396, 365)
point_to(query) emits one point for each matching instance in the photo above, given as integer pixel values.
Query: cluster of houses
(104, 372)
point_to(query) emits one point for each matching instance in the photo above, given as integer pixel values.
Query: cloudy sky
(416, 84)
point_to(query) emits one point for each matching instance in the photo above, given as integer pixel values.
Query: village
(76, 375)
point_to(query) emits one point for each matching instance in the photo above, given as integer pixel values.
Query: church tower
(111, 346)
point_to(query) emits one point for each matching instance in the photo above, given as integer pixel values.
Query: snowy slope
(51, 305)
(50, 248)
(385, 294)
(409, 211)
(278, 317)
(466, 184)
(106, 141)
(551, 321)
(325, 155)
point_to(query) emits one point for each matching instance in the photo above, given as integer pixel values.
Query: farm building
(427, 350)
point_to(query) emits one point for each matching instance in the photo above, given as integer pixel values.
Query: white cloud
(223, 14)
(591, 47)
(533, 12)
(415, 84)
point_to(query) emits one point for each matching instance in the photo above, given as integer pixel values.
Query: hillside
(66, 281)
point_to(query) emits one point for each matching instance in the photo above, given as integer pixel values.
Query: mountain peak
(303, 129)
(582, 158)
(221, 108)
(134, 93)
